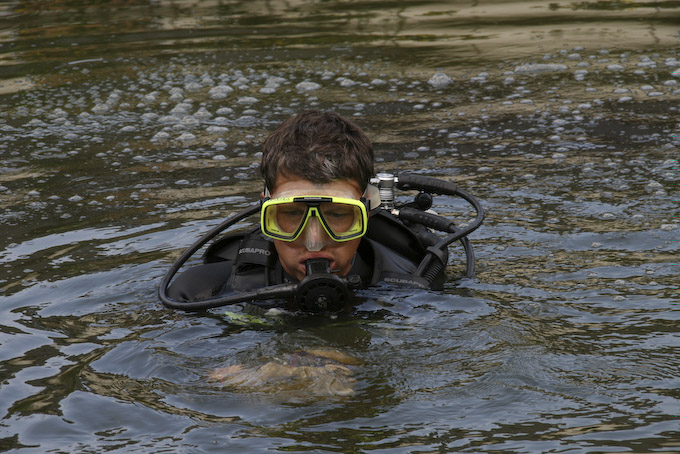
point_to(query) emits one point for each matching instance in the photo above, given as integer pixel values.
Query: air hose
(434, 261)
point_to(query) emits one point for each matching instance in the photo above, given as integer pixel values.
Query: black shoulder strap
(256, 251)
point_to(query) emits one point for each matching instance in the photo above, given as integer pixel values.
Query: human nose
(314, 237)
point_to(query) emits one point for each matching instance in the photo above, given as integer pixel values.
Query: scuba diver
(327, 227)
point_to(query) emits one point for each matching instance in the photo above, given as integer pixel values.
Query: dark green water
(129, 128)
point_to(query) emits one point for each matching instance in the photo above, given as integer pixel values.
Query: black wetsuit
(390, 252)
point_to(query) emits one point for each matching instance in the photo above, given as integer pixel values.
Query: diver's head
(314, 224)
(323, 154)
(320, 147)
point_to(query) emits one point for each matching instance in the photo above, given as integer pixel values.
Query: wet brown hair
(319, 147)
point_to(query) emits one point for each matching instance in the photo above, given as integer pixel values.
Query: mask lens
(342, 219)
(283, 220)
(289, 216)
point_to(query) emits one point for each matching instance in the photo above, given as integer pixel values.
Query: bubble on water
(615, 67)
(202, 114)
(225, 111)
(267, 90)
(35, 122)
(151, 97)
(625, 99)
(668, 227)
(247, 100)
(440, 80)
(306, 86)
(189, 121)
(620, 91)
(220, 91)
(182, 182)
(345, 82)
(653, 185)
(619, 298)
(670, 83)
(181, 108)
(378, 82)
(192, 86)
(220, 144)
(149, 116)
(212, 129)
(187, 137)
(75, 198)
(478, 79)
(559, 156)
(100, 108)
(33, 193)
(538, 68)
(246, 121)
(169, 119)
(128, 128)
(274, 81)
(219, 157)
(676, 73)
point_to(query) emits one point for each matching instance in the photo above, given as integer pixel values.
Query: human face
(314, 242)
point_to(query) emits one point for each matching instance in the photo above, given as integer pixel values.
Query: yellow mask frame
(285, 218)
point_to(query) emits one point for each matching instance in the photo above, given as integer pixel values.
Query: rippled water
(130, 128)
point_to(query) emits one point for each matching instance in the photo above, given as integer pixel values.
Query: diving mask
(285, 218)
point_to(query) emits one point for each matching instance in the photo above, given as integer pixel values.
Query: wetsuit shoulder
(240, 261)
(201, 282)
(396, 252)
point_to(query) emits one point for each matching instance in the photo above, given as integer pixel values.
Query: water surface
(130, 128)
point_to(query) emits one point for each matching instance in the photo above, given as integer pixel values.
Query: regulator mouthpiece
(320, 290)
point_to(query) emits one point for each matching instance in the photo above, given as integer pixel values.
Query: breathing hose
(433, 262)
